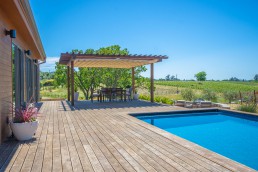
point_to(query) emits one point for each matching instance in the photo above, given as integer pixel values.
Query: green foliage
(46, 75)
(49, 82)
(142, 83)
(166, 100)
(209, 95)
(188, 94)
(75, 88)
(88, 79)
(60, 75)
(230, 95)
(144, 97)
(158, 99)
(248, 108)
(201, 76)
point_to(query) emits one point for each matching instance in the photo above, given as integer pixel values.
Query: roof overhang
(108, 61)
(19, 13)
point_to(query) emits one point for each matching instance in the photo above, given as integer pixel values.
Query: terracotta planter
(24, 131)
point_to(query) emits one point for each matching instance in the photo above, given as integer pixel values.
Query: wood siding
(5, 82)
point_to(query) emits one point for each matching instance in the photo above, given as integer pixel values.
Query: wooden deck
(102, 137)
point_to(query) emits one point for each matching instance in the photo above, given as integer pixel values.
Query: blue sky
(216, 36)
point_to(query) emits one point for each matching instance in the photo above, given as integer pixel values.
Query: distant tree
(234, 79)
(172, 78)
(60, 75)
(256, 77)
(167, 78)
(201, 76)
(46, 75)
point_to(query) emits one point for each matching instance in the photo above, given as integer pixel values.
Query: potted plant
(24, 123)
(136, 95)
(76, 93)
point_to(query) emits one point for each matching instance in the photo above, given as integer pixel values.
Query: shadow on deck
(88, 105)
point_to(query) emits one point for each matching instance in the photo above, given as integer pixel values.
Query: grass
(217, 86)
(51, 92)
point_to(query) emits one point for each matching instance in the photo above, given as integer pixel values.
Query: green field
(172, 89)
(217, 86)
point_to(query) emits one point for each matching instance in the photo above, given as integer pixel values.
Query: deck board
(103, 137)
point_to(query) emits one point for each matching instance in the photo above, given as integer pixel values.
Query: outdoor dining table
(111, 92)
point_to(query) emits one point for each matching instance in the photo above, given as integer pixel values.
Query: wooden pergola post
(68, 84)
(152, 82)
(133, 81)
(72, 82)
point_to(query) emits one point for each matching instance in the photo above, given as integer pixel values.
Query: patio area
(103, 137)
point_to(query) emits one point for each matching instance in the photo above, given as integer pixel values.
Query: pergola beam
(135, 60)
(68, 83)
(133, 81)
(152, 82)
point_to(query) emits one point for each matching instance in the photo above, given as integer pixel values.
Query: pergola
(72, 60)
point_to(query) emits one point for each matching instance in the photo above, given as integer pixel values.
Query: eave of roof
(20, 15)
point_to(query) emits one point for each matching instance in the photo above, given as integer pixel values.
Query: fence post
(254, 97)
(240, 97)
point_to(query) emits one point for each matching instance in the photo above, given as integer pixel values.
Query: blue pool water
(233, 135)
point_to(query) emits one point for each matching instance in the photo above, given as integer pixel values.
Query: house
(21, 53)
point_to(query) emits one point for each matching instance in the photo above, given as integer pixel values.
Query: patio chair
(117, 93)
(95, 95)
(105, 93)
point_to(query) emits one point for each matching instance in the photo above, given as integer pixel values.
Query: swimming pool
(230, 134)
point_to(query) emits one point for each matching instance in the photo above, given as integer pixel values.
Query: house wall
(5, 82)
(7, 23)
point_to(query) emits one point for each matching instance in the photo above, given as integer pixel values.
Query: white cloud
(52, 60)
(49, 65)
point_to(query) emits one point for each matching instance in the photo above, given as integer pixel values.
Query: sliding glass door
(18, 75)
(25, 77)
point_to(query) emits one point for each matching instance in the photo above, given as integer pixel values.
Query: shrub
(248, 108)
(144, 97)
(188, 94)
(230, 95)
(49, 82)
(166, 100)
(209, 95)
(157, 99)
